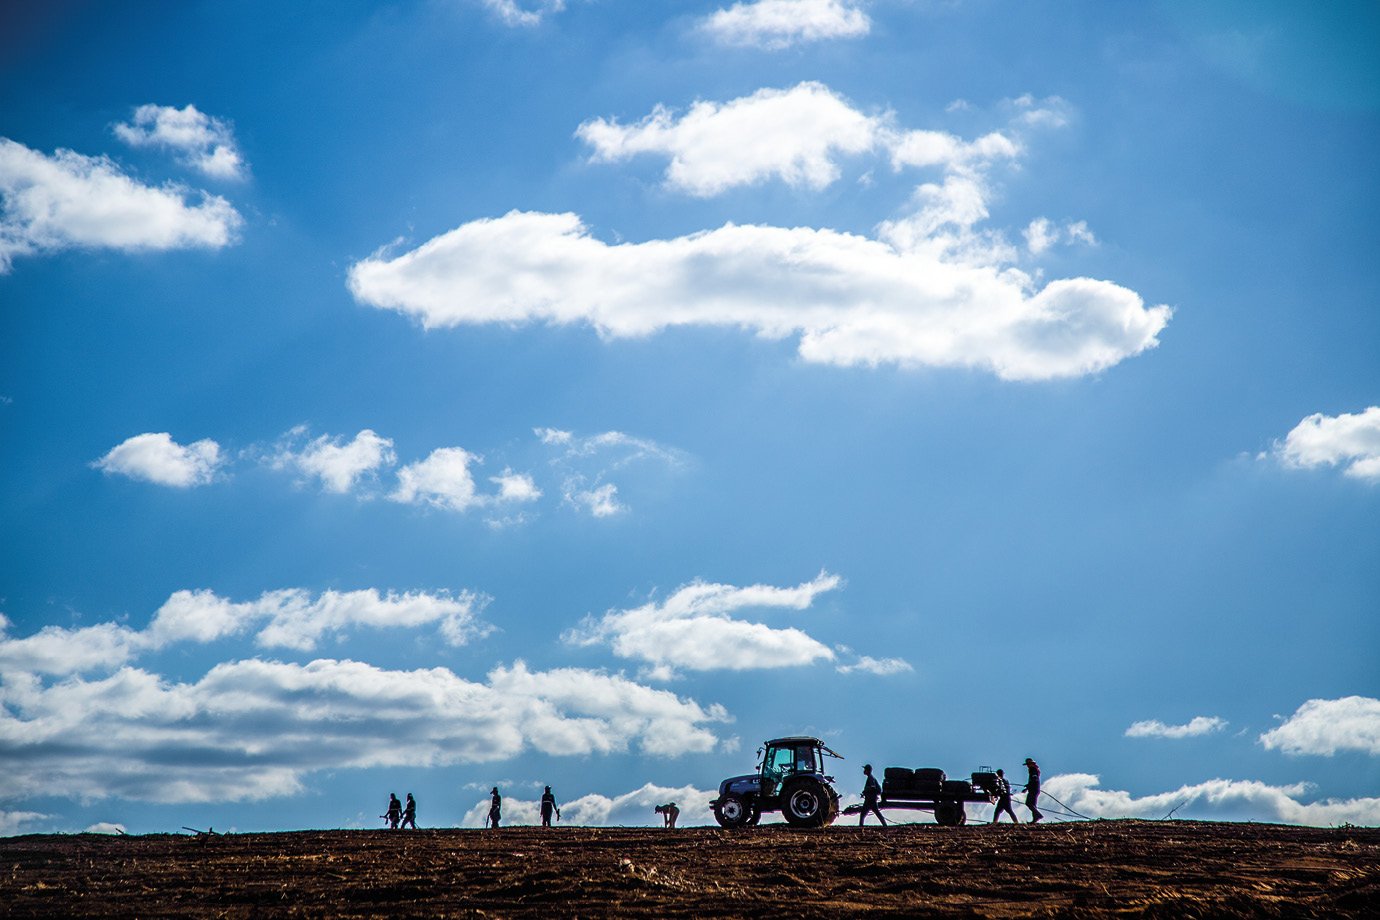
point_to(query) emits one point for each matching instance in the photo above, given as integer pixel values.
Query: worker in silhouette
(872, 791)
(409, 815)
(548, 805)
(394, 812)
(1003, 799)
(495, 808)
(1032, 790)
(669, 812)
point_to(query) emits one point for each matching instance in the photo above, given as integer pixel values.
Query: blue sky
(423, 396)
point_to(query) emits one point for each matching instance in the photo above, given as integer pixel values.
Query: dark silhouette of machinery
(790, 779)
(929, 789)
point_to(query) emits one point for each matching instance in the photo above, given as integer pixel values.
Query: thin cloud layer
(1154, 728)
(200, 141)
(523, 12)
(68, 200)
(1217, 799)
(777, 24)
(1349, 441)
(155, 457)
(1328, 727)
(694, 629)
(585, 463)
(850, 300)
(254, 729)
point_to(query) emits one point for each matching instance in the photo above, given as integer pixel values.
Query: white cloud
(882, 667)
(588, 461)
(850, 299)
(202, 142)
(55, 650)
(528, 13)
(67, 200)
(1217, 799)
(793, 135)
(255, 729)
(1154, 728)
(1042, 234)
(12, 822)
(515, 487)
(1323, 440)
(776, 24)
(1325, 727)
(157, 458)
(339, 466)
(694, 629)
(600, 501)
(630, 809)
(442, 480)
(105, 827)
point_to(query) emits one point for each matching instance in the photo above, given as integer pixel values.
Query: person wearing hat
(495, 807)
(1032, 790)
(871, 792)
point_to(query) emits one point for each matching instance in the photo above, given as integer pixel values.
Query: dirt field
(1176, 869)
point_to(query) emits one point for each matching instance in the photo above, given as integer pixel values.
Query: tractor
(790, 779)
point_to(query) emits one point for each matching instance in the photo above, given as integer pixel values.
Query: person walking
(872, 791)
(409, 815)
(495, 808)
(1003, 799)
(1032, 790)
(394, 811)
(548, 805)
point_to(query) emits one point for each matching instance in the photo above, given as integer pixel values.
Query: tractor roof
(794, 740)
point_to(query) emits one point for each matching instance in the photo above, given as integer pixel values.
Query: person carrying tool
(495, 808)
(872, 791)
(1032, 790)
(548, 805)
(409, 815)
(1003, 799)
(394, 812)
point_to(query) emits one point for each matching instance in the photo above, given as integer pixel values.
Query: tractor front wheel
(806, 804)
(731, 811)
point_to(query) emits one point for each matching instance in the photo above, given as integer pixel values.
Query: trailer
(930, 789)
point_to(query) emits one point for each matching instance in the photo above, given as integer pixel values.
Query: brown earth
(1177, 869)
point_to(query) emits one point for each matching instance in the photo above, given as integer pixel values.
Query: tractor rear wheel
(731, 811)
(806, 803)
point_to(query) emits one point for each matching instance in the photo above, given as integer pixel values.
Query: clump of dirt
(1169, 869)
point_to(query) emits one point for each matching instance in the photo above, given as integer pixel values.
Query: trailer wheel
(949, 814)
(731, 811)
(806, 804)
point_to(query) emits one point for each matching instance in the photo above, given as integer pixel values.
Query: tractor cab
(790, 779)
(788, 757)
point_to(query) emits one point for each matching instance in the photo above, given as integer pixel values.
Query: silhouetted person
(1032, 790)
(669, 812)
(394, 812)
(1003, 799)
(872, 791)
(495, 807)
(548, 805)
(410, 812)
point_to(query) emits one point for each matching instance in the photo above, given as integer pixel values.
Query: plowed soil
(1177, 869)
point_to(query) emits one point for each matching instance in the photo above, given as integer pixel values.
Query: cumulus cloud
(338, 465)
(630, 809)
(793, 135)
(254, 729)
(1154, 728)
(519, 13)
(1350, 441)
(155, 457)
(600, 501)
(442, 480)
(851, 300)
(1217, 799)
(200, 141)
(68, 200)
(515, 487)
(1042, 234)
(1326, 727)
(776, 24)
(13, 822)
(105, 827)
(694, 629)
(57, 650)
(882, 667)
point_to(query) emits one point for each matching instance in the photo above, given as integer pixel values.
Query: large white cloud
(629, 809)
(442, 480)
(156, 457)
(1154, 728)
(253, 729)
(776, 24)
(1216, 799)
(794, 135)
(1326, 727)
(70, 200)
(694, 629)
(850, 299)
(1351, 441)
(202, 142)
(338, 465)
